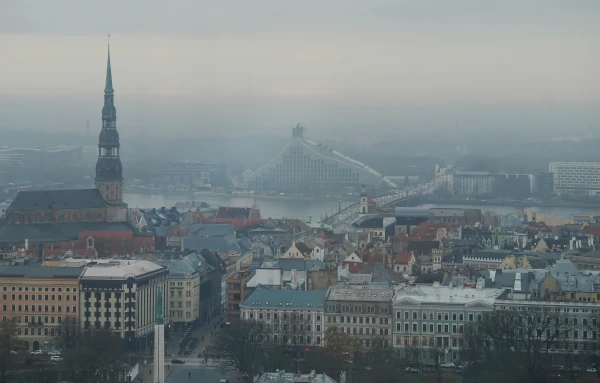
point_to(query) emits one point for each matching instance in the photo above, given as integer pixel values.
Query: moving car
(54, 352)
(36, 352)
(448, 365)
(55, 358)
(177, 361)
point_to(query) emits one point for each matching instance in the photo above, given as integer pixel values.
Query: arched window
(90, 242)
(318, 340)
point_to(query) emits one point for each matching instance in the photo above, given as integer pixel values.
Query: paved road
(194, 374)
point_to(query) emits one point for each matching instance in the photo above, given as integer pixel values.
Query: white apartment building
(295, 317)
(120, 296)
(473, 183)
(433, 318)
(576, 178)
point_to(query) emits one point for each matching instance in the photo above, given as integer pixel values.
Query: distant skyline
(338, 67)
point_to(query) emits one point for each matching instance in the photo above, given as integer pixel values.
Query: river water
(269, 207)
(303, 208)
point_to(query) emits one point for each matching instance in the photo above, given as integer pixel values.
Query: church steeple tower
(109, 170)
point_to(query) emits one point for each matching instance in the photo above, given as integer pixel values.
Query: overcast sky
(338, 66)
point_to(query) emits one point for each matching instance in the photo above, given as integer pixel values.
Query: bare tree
(521, 339)
(8, 343)
(241, 346)
(87, 355)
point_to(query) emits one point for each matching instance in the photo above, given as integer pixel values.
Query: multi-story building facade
(362, 310)
(576, 178)
(294, 317)
(430, 320)
(579, 329)
(196, 173)
(236, 293)
(40, 298)
(120, 296)
(473, 183)
(183, 292)
(306, 166)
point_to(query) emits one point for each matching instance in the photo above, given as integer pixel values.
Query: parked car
(592, 370)
(412, 369)
(429, 368)
(558, 367)
(36, 352)
(54, 352)
(177, 361)
(55, 358)
(448, 365)
(13, 352)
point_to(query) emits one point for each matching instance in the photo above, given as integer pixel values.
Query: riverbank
(516, 204)
(208, 193)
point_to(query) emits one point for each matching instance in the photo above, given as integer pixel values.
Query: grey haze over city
(361, 70)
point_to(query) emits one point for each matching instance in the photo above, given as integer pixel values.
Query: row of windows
(40, 330)
(52, 308)
(284, 316)
(53, 289)
(364, 331)
(359, 308)
(429, 327)
(439, 315)
(39, 297)
(37, 321)
(356, 320)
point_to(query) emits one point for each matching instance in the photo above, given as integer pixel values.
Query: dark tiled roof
(64, 199)
(300, 264)
(430, 277)
(233, 212)
(11, 233)
(380, 273)
(223, 244)
(211, 229)
(301, 246)
(40, 272)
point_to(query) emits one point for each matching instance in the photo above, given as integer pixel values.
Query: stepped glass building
(305, 166)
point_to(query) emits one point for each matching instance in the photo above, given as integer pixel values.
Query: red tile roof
(403, 258)
(592, 230)
(428, 231)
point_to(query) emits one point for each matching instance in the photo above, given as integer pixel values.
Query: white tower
(159, 340)
(364, 201)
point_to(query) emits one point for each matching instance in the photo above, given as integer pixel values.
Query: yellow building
(40, 298)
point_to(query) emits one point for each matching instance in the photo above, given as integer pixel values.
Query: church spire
(108, 88)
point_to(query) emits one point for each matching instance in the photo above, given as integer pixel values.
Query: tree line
(505, 345)
(87, 356)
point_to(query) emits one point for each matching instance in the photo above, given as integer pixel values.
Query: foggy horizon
(398, 70)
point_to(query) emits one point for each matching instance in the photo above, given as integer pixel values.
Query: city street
(196, 366)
